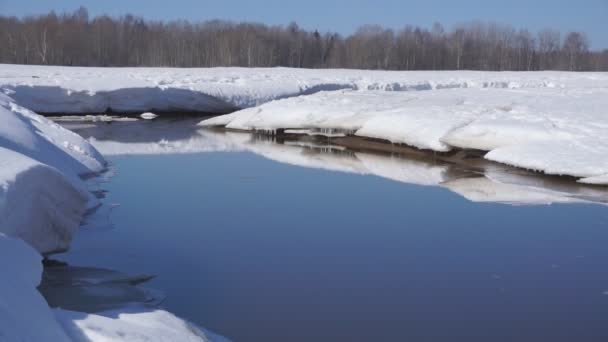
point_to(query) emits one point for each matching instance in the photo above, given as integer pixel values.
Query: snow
(522, 118)
(41, 139)
(42, 203)
(94, 90)
(602, 179)
(148, 116)
(419, 119)
(554, 130)
(42, 198)
(38, 203)
(553, 122)
(24, 315)
(133, 324)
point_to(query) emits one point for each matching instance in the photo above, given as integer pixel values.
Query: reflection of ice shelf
(481, 180)
(325, 132)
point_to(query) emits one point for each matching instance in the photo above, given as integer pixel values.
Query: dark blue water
(262, 251)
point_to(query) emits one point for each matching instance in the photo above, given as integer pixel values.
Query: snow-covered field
(554, 122)
(93, 90)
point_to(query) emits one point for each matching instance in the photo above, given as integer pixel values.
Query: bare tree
(77, 39)
(576, 47)
(548, 48)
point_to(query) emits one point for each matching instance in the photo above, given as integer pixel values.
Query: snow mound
(42, 198)
(148, 116)
(38, 203)
(133, 324)
(32, 135)
(24, 314)
(556, 131)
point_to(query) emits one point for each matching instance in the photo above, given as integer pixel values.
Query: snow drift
(557, 131)
(42, 198)
(38, 203)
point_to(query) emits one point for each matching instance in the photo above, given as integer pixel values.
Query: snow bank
(557, 131)
(42, 202)
(515, 115)
(24, 315)
(133, 324)
(38, 203)
(419, 119)
(47, 89)
(42, 198)
(30, 134)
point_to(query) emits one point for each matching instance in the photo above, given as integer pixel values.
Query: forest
(77, 39)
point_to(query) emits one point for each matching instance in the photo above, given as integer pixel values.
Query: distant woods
(78, 40)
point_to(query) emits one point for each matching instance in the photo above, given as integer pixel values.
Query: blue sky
(345, 16)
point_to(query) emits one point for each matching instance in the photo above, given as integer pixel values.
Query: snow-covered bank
(93, 90)
(42, 198)
(38, 203)
(554, 122)
(554, 130)
(24, 314)
(132, 324)
(42, 203)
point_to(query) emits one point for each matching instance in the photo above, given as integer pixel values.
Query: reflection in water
(264, 251)
(465, 173)
(87, 289)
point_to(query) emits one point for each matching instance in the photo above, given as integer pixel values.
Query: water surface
(250, 245)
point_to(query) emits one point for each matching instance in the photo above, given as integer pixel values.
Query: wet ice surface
(88, 289)
(249, 243)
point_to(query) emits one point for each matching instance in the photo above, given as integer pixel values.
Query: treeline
(76, 39)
